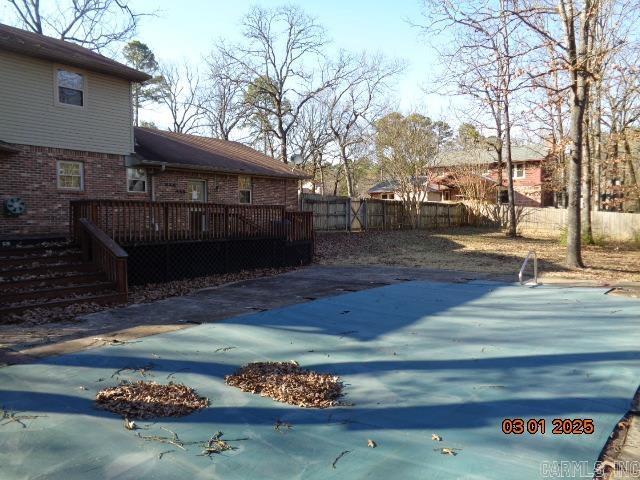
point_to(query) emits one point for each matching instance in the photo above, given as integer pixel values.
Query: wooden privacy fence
(346, 214)
(551, 221)
(128, 222)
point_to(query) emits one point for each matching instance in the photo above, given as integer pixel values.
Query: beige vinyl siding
(30, 116)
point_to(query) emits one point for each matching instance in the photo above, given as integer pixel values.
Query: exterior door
(197, 192)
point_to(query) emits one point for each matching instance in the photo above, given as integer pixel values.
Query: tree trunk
(574, 241)
(635, 202)
(512, 200)
(347, 171)
(587, 232)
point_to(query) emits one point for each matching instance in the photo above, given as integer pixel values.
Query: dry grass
(475, 250)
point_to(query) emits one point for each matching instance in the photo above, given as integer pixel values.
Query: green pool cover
(418, 358)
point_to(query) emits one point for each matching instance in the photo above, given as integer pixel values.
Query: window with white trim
(518, 170)
(136, 180)
(244, 189)
(70, 175)
(70, 87)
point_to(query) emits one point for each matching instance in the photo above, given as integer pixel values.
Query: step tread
(50, 268)
(105, 285)
(7, 263)
(55, 279)
(108, 297)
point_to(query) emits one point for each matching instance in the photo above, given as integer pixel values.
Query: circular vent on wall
(15, 206)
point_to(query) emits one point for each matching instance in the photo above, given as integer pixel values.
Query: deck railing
(106, 254)
(128, 222)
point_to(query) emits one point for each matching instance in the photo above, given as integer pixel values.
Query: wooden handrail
(104, 252)
(140, 221)
(116, 250)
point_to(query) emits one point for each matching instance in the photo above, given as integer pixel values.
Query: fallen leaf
(435, 437)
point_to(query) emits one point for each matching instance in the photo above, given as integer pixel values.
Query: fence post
(449, 213)
(384, 215)
(366, 215)
(347, 214)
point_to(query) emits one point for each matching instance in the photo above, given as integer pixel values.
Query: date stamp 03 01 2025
(560, 426)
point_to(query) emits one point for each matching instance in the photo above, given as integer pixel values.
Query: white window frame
(515, 171)
(129, 179)
(71, 189)
(250, 190)
(56, 94)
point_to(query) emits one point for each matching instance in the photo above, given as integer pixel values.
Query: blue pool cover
(418, 358)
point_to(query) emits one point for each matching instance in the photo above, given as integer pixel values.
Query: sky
(189, 28)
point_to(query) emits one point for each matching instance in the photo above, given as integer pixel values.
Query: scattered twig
(142, 370)
(177, 371)
(11, 417)
(216, 445)
(280, 426)
(162, 454)
(348, 332)
(157, 438)
(342, 454)
(223, 349)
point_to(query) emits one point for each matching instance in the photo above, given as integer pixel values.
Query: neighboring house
(66, 133)
(528, 173)
(431, 192)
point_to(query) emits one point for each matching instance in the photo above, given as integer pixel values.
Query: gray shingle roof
(180, 150)
(482, 156)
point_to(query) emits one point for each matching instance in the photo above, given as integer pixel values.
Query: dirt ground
(475, 250)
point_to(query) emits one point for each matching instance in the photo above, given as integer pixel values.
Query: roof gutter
(133, 161)
(8, 148)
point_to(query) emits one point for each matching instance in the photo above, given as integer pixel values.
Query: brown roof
(40, 46)
(179, 150)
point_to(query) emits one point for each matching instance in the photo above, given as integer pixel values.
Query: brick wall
(172, 186)
(31, 175)
(528, 190)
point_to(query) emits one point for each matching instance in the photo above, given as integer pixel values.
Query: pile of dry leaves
(150, 400)
(288, 383)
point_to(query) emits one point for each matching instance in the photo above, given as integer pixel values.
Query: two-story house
(66, 133)
(528, 176)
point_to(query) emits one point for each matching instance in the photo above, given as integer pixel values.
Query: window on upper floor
(70, 87)
(244, 189)
(518, 170)
(136, 180)
(70, 175)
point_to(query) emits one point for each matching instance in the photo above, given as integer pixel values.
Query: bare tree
(223, 103)
(281, 56)
(483, 63)
(576, 32)
(311, 139)
(180, 95)
(94, 24)
(355, 103)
